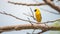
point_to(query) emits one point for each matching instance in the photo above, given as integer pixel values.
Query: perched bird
(38, 15)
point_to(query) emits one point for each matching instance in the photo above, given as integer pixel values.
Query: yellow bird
(38, 15)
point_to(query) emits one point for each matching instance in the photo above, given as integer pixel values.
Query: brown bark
(52, 5)
(46, 2)
(27, 26)
(31, 4)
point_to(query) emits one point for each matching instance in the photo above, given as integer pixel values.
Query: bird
(38, 15)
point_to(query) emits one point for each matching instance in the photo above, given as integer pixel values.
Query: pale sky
(18, 10)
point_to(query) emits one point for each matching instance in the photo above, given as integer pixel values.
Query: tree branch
(27, 26)
(31, 4)
(44, 27)
(15, 17)
(52, 5)
(46, 2)
(32, 14)
(42, 31)
(27, 20)
(50, 11)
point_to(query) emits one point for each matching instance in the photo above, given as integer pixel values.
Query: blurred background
(18, 10)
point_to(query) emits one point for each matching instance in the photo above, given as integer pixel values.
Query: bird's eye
(35, 10)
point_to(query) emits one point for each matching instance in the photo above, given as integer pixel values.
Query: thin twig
(30, 22)
(45, 22)
(32, 14)
(28, 15)
(50, 11)
(33, 31)
(42, 31)
(27, 20)
(51, 21)
(15, 17)
(32, 26)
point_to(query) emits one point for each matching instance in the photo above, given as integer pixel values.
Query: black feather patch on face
(35, 10)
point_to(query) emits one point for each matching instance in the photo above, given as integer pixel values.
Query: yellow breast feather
(38, 15)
